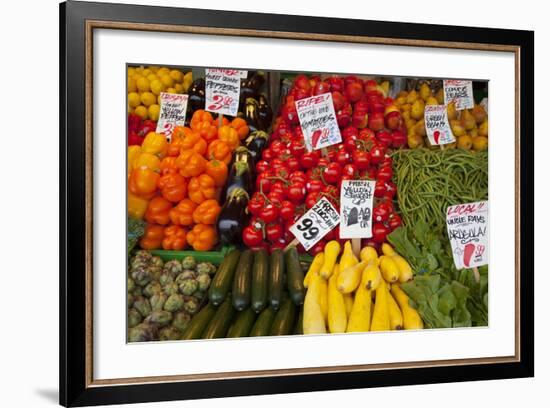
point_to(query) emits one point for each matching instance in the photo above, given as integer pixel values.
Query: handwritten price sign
(437, 125)
(468, 230)
(173, 108)
(223, 89)
(318, 121)
(356, 198)
(459, 92)
(315, 223)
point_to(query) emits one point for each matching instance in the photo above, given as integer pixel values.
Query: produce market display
(229, 227)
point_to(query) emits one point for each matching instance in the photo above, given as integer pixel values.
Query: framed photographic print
(256, 203)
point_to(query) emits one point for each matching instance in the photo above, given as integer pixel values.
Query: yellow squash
(371, 277)
(323, 296)
(411, 318)
(389, 269)
(359, 318)
(368, 254)
(337, 316)
(332, 250)
(405, 270)
(381, 314)
(349, 279)
(396, 317)
(313, 320)
(314, 268)
(347, 259)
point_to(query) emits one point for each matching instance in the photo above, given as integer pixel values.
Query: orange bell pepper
(199, 116)
(202, 237)
(175, 238)
(193, 140)
(173, 187)
(201, 188)
(230, 136)
(153, 236)
(207, 212)
(136, 206)
(174, 146)
(190, 163)
(168, 165)
(207, 131)
(143, 182)
(220, 151)
(218, 171)
(158, 211)
(182, 214)
(155, 143)
(240, 125)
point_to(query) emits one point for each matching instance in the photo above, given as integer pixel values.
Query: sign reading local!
(315, 223)
(459, 92)
(356, 197)
(437, 125)
(318, 121)
(468, 231)
(173, 108)
(223, 90)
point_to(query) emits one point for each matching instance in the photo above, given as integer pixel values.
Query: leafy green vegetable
(443, 295)
(136, 228)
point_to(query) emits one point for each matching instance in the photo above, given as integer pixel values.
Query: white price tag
(437, 125)
(459, 92)
(485, 103)
(223, 89)
(173, 108)
(468, 230)
(318, 121)
(356, 198)
(243, 74)
(315, 223)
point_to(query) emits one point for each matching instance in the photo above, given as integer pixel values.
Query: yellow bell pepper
(147, 160)
(155, 143)
(133, 153)
(137, 206)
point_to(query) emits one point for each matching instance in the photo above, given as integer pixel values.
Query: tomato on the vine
(309, 160)
(296, 192)
(332, 173)
(384, 173)
(376, 154)
(395, 221)
(350, 170)
(256, 203)
(381, 213)
(252, 236)
(298, 175)
(262, 166)
(273, 231)
(379, 232)
(269, 213)
(360, 159)
(287, 210)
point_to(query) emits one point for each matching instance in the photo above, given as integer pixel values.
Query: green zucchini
(219, 324)
(299, 327)
(199, 322)
(295, 276)
(276, 277)
(242, 281)
(260, 278)
(224, 277)
(263, 323)
(283, 323)
(243, 324)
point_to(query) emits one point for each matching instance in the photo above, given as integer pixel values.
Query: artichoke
(191, 305)
(169, 333)
(173, 303)
(171, 288)
(138, 291)
(189, 286)
(189, 263)
(155, 272)
(173, 268)
(158, 300)
(134, 318)
(203, 267)
(160, 317)
(152, 288)
(143, 254)
(143, 332)
(141, 275)
(130, 299)
(142, 305)
(181, 320)
(142, 258)
(166, 279)
(203, 281)
(156, 261)
(130, 285)
(185, 275)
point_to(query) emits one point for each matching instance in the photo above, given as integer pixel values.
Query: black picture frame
(74, 389)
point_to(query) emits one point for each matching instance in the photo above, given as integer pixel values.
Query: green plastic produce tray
(214, 257)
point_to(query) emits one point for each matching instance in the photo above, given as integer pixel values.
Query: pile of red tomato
(290, 180)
